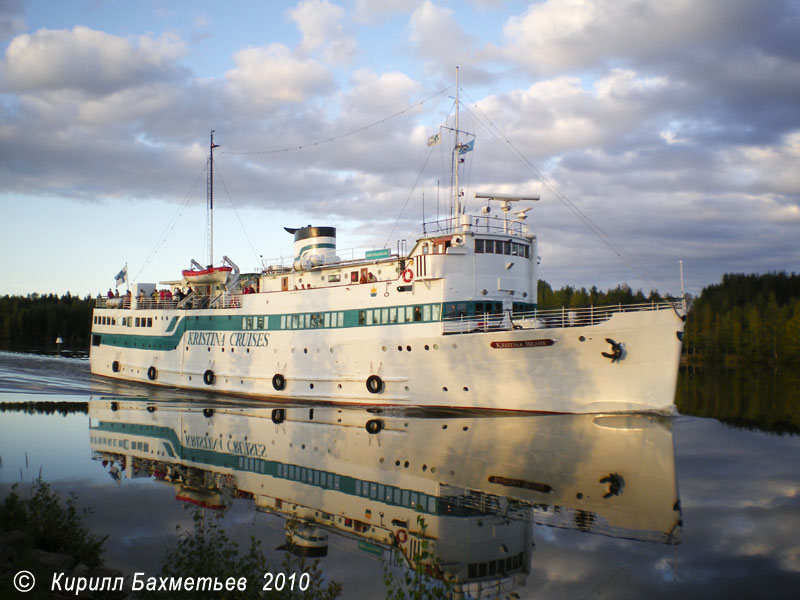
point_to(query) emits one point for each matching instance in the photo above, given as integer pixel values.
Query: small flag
(122, 276)
(435, 140)
(464, 148)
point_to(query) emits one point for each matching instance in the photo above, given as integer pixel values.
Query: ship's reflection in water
(474, 484)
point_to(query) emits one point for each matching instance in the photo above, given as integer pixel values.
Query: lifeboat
(204, 498)
(212, 275)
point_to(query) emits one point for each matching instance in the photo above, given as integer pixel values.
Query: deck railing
(544, 319)
(192, 301)
(476, 224)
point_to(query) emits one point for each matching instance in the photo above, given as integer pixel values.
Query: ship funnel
(313, 246)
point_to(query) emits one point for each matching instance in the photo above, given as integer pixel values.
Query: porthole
(444, 388)
(408, 348)
(427, 347)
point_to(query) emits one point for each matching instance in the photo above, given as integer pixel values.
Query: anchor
(617, 348)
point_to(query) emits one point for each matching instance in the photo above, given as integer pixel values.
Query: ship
(451, 322)
(458, 492)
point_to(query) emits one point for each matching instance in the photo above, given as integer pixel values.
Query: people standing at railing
(126, 301)
(110, 293)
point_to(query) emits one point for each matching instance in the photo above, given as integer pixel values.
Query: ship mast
(210, 200)
(456, 162)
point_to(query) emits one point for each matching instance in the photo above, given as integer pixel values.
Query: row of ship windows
(502, 247)
(313, 320)
(124, 444)
(370, 316)
(125, 321)
(303, 474)
(365, 489)
(494, 567)
(397, 496)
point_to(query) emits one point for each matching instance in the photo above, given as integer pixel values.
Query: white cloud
(268, 76)
(437, 37)
(320, 24)
(93, 62)
(370, 11)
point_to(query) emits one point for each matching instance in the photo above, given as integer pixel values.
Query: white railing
(285, 264)
(476, 224)
(192, 301)
(544, 319)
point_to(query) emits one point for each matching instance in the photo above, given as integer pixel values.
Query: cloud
(92, 62)
(437, 37)
(320, 23)
(268, 76)
(369, 11)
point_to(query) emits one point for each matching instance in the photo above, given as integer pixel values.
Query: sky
(655, 132)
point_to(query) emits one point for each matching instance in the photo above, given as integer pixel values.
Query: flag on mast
(122, 276)
(435, 140)
(464, 148)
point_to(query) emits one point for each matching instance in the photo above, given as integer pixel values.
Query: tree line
(36, 320)
(746, 319)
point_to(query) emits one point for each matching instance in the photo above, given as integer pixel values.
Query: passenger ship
(472, 486)
(452, 322)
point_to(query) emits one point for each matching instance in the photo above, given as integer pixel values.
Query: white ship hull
(552, 370)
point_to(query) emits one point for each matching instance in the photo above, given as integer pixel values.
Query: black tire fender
(374, 384)
(278, 382)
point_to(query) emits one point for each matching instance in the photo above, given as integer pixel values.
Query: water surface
(560, 506)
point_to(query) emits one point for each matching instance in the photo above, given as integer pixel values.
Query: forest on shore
(743, 319)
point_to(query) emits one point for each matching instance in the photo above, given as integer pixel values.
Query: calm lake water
(589, 506)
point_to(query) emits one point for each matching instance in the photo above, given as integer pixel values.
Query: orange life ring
(401, 536)
(408, 275)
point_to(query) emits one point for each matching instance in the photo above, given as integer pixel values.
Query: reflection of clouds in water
(790, 558)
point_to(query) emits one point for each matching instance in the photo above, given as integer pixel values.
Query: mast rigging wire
(170, 225)
(616, 248)
(343, 135)
(236, 212)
